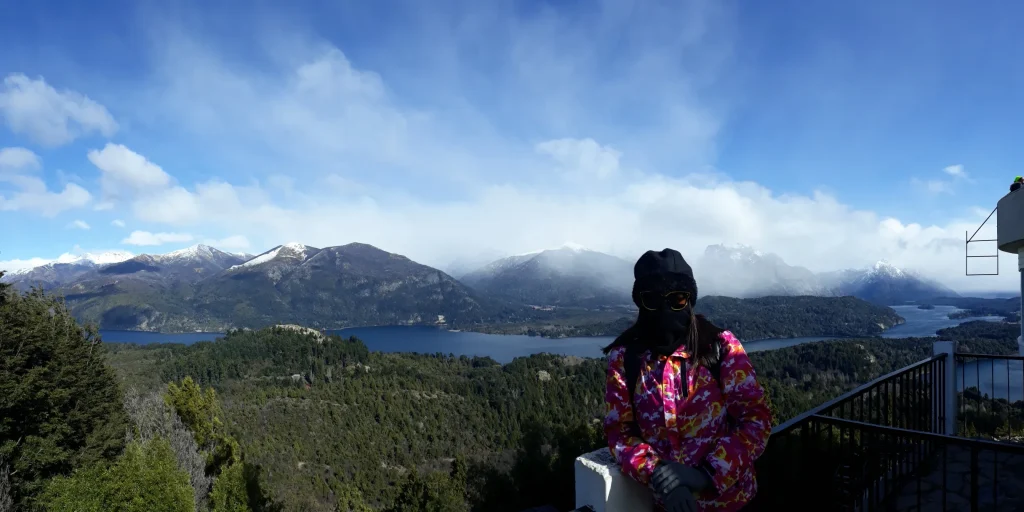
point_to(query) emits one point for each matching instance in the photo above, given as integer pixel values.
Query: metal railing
(801, 453)
(991, 396)
(884, 446)
(912, 397)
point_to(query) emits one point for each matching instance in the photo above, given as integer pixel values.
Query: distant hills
(885, 284)
(66, 270)
(741, 271)
(203, 288)
(573, 276)
(568, 276)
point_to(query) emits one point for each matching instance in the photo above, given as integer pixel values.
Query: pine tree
(229, 492)
(145, 478)
(62, 406)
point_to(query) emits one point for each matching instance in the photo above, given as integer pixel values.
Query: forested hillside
(326, 417)
(73, 440)
(749, 319)
(278, 419)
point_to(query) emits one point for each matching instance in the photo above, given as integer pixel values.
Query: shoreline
(486, 330)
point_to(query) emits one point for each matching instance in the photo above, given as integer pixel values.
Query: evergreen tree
(351, 500)
(145, 478)
(198, 410)
(60, 403)
(229, 491)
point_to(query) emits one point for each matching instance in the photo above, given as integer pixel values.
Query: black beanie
(664, 271)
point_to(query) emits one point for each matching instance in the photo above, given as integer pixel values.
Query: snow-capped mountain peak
(290, 250)
(734, 252)
(195, 251)
(883, 267)
(743, 271)
(573, 246)
(262, 258)
(568, 247)
(106, 258)
(89, 259)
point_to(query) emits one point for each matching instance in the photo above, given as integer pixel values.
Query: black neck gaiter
(664, 331)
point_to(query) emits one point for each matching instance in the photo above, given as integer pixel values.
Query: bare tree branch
(151, 418)
(6, 501)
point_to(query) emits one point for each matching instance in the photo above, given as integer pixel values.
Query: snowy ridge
(573, 246)
(196, 251)
(87, 259)
(262, 258)
(887, 269)
(107, 258)
(292, 249)
(295, 246)
(568, 246)
(736, 252)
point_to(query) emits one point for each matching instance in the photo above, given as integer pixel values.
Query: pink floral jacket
(722, 428)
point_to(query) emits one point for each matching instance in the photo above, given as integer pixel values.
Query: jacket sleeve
(636, 457)
(746, 404)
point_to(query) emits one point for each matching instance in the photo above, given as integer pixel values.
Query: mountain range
(203, 288)
(568, 276)
(744, 272)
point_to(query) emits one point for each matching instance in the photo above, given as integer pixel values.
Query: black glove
(669, 475)
(680, 499)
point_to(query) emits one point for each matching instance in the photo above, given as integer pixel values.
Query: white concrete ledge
(601, 484)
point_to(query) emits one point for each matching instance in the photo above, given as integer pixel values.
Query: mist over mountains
(743, 272)
(201, 287)
(568, 276)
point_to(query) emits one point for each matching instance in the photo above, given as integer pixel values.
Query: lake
(504, 348)
(1001, 379)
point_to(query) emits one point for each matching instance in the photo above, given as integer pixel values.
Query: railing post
(948, 423)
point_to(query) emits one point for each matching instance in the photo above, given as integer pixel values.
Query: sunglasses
(653, 301)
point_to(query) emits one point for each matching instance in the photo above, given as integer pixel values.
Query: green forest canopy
(279, 420)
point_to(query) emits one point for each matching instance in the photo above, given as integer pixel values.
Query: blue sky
(448, 130)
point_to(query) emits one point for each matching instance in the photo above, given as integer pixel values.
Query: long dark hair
(702, 339)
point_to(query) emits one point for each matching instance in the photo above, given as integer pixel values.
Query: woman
(686, 415)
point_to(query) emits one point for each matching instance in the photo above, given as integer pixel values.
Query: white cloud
(78, 224)
(18, 159)
(933, 186)
(48, 116)
(117, 223)
(582, 159)
(21, 190)
(231, 243)
(339, 130)
(125, 172)
(652, 211)
(436, 179)
(948, 186)
(76, 253)
(19, 264)
(956, 171)
(156, 239)
(33, 196)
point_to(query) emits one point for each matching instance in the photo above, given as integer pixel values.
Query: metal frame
(967, 245)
